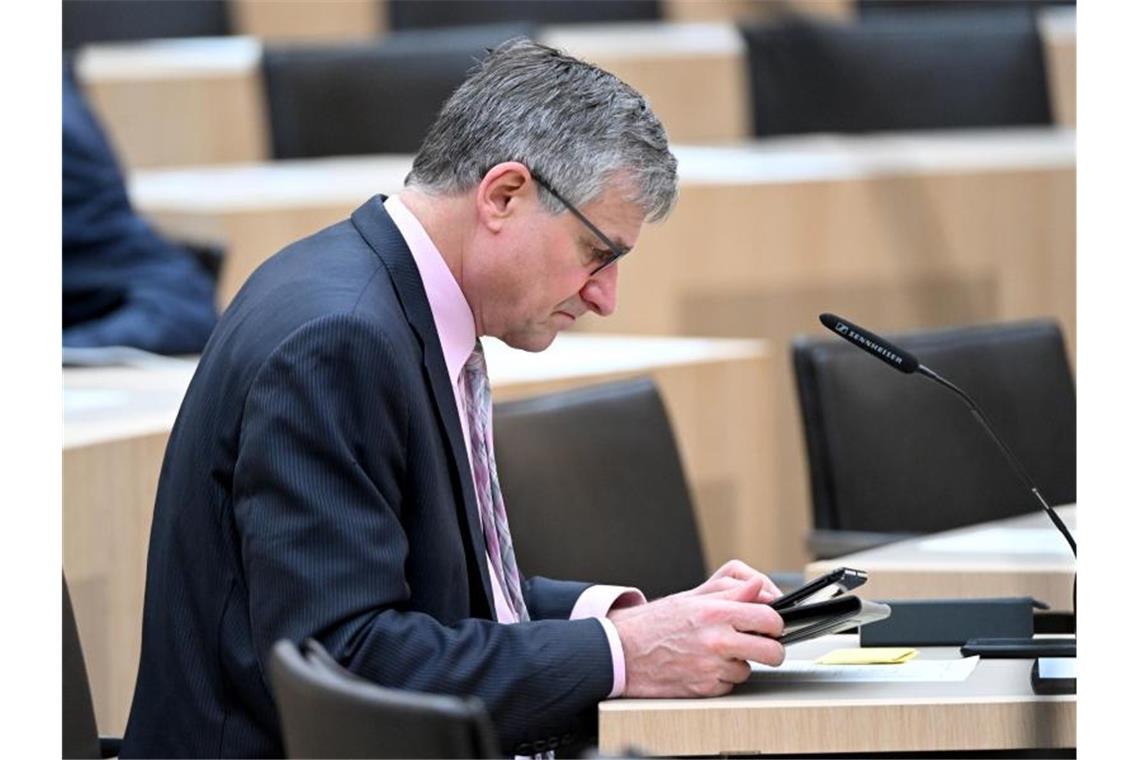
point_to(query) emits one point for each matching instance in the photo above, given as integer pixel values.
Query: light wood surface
(1058, 28)
(179, 102)
(1019, 556)
(900, 232)
(756, 10)
(320, 20)
(994, 709)
(117, 422)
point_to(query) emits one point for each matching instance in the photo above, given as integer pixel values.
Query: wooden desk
(179, 102)
(900, 231)
(994, 709)
(117, 422)
(1020, 556)
(1058, 28)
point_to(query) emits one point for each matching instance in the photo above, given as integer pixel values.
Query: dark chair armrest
(110, 746)
(828, 544)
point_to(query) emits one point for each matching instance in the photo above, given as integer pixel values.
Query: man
(330, 474)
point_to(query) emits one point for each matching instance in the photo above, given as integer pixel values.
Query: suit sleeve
(317, 505)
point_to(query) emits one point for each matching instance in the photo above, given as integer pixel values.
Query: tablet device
(809, 621)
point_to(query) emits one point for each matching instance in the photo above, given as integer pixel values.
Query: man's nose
(600, 291)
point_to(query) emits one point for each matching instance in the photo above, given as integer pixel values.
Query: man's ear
(499, 194)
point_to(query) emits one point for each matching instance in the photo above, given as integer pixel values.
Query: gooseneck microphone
(906, 363)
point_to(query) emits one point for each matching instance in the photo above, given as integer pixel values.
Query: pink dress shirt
(456, 328)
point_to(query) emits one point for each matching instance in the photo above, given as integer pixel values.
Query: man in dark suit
(331, 474)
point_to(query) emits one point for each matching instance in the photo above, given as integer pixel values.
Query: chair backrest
(372, 97)
(921, 71)
(890, 452)
(413, 14)
(126, 20)
(595, 489)
(327, 712)
(80, 734)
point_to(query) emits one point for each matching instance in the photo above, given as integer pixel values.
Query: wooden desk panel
(1058, 28)
(994, 709)
(310, 20)
(117, 423)
(179, 102)
(918, 569)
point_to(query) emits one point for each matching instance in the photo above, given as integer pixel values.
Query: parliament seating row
(94, 21)
(225, 100)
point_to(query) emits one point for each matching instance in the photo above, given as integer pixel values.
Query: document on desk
(912, 671)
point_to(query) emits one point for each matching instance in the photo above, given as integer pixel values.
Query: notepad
(868, 656)
(914, 671)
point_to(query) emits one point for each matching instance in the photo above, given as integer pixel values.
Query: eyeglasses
(616, 252)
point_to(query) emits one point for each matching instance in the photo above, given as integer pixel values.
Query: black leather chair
(595, 490)
(374, 97)
(878, 8)
(80, 737)
(417, 14)
(912, 72)
(327, 712)
(88, 21)
(892, 455)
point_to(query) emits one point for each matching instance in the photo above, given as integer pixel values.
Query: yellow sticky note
(868, 656)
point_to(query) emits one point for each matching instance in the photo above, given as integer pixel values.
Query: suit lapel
(381, 234)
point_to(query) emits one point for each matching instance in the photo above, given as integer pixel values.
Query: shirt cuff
(596, 602)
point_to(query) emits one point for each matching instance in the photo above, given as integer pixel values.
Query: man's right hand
(697, 645)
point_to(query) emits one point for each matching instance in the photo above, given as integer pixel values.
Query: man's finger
(754, 618)
(741, 591)
(748, 646)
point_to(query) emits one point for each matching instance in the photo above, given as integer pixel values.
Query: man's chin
(531, 341)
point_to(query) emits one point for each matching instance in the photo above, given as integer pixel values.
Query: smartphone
(808, 621)
(838, 581)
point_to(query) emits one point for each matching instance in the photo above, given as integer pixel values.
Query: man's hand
(698, 642)
(733, 574)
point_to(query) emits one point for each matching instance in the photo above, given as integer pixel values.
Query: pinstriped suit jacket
(316, 484)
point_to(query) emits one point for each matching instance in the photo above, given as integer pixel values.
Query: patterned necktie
(492, 512)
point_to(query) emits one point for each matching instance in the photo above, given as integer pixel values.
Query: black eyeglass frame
(616, 252)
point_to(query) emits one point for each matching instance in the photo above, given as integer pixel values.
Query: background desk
(117, 421)
(995, 709)
(896, 231)
(981, 560)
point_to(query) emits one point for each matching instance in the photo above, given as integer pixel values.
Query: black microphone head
(881, 349)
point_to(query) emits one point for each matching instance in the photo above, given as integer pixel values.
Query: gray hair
(574, 125)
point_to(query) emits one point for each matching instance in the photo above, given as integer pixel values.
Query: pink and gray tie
(492, 512)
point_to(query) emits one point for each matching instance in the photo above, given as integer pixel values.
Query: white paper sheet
(1001, 541)
(915, 670)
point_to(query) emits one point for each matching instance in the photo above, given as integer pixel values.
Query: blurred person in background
(331, 472)
(123, 284)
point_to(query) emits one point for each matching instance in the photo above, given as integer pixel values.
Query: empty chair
(412, 14)
(327, 712)
(126, 20)
(595, 490)
(374, 97)
(80, 737)
(892, 455)
(897, 72)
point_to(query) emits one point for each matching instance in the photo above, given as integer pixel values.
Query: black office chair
(416, 14)
(893, 455)
(80, 736)
(373, 97)
(327, 712)
(919, 71)
(90, 21)
(595, 490)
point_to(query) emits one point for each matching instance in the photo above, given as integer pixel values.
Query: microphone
(906, 363)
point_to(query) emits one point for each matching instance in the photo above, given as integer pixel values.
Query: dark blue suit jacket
(123, 284)
(316, 484)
